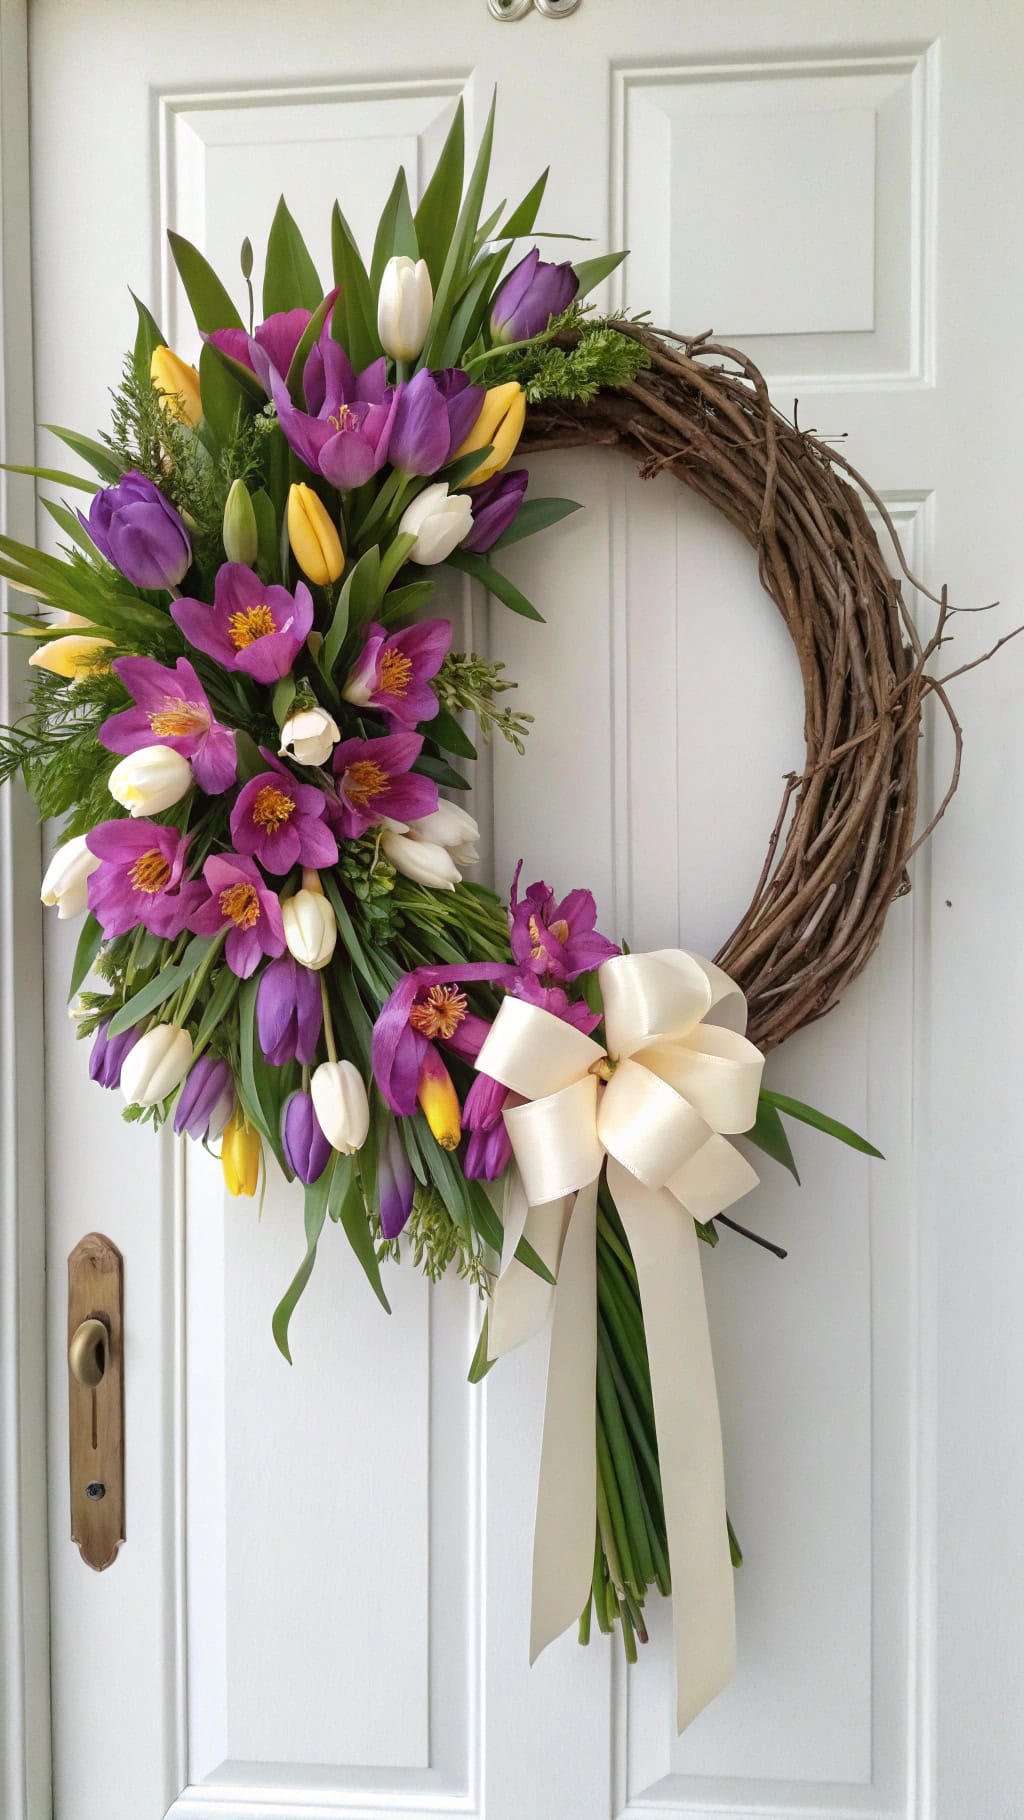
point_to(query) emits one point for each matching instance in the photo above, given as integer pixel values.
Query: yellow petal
(498, 427)
(313, 536)
(240, 1156)
(178, 384)
(436, 1093)
(73, 657)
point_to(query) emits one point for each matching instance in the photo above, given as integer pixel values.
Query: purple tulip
(555, 938)
(139, 878)
(463, 402)
(488, 1149)
(531, 294)
(273, 344)
(375, 779)
(172, 709)
(434, 413)
(289, 1012)
(139, 532)
(307, 1151)
(495, 505)
(242, 903)
(206, 1100)
(425, 1006)
(396, 1183)
(345, 432)
(106, 1057)
(251, 626)
(281, 821)
(392, 673)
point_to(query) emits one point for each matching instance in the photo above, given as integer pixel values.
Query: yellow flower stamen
(245, 627)
(559, 929)
(150, 872)
(272, 809)
(240, 902)
(364, 780)
(340, 422)
(178, 719)
(441, 1013)
(395, 673)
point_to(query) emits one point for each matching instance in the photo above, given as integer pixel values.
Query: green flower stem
(585, 1614)
(332, 1052)
(642, 1431)
(627, 1575)
(624, 1467)
(186, 998)
(615, 1244)
(597, 1591)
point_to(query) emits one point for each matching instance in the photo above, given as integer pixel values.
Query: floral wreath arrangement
(253, 736)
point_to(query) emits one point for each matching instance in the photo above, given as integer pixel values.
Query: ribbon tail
(521, 1301)
(566, 1526)
(665, 1251)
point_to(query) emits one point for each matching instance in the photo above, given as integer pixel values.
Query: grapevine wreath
(254, 735)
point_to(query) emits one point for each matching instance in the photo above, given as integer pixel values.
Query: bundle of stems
(630, 1546)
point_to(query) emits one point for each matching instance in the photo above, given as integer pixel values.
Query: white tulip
(422, 860)
(156, 1065)
(66, 880)
(308, 736)
(310, 929)
(404, 306)
(149, 780)
(451, 827)
(438, 520)
(341, 1105)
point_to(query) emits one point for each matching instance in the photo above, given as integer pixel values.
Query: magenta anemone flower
(392, 672)
(139, 878)
(396, 1183)
(427, 1006)
(172, 710)
(558, 939)
(289, 1012)
(251, 626)
(345, 431)
(375, 779)
(272, 344)
(488, 1149)
(281, 821)
(240, 901)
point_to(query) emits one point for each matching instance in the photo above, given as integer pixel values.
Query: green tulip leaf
(106, 464)
(497, 583)
(60, 477)
(354, 323)
(396, 233)
(351, 1211)
(592, 272)
(808, 1115)
(481, 1364)
(442, 773)
(211, 305)
(769, 1134)
(446, 732)
(438, 211)
(148, 338)
(158, 990)
(88, 947)
(310, 334)
(535, 515)
(314, 1215)
(457, 261)
(224, 397)
(290, 279)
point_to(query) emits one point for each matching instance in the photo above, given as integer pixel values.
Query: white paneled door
(321, 1607)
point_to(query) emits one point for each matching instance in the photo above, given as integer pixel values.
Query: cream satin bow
(678, 1074)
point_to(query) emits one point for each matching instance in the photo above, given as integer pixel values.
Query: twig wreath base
(845, 831)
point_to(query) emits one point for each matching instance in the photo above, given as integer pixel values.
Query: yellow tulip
(178, 384)
(498, 428)
(240, 1155)
(315, 543)
(72, 657)
(436, 1093)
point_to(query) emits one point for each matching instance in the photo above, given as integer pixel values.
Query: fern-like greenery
(601, 359)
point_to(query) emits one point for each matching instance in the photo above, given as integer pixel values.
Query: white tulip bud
(66, 880)
(404, 306)
(341, 1106)
(309, 735)
(310, 929)
(451, 827)
(438, 520)
(149, 780)
(156, 1065)
(421, 860)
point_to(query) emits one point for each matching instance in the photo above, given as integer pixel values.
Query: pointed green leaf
(211, 305)
(769, 1134)
(481, 1364)
(535, 515)
(442, 773)
(158, 990)
(355, 314)
(458, 471)
(290, 279)
(808, 1115)
(445, 731)
(281, 698)
(457, 262)
(592, 272)
(521, 220)
(356, 1226)
(439, 208)
(148, 338)
(105, 462)
(268, 556)
(88, 947)
(224, 399)
(314, 1215)
(310, 334)
(396, 233)
(58, 476)
(497, 583)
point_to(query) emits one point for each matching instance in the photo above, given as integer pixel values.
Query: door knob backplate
(96, 1398)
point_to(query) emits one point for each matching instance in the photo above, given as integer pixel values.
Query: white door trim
(25, 1775)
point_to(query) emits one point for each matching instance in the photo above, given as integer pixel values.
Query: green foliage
(435, 1243)
(469, 684)
(56, 750)
(599, 359)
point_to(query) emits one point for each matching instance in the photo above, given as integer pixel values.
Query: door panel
(322, 1604)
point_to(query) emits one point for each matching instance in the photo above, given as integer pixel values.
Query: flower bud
(66, 879)
(106, 1058)
(158, 1063)
(498, 428)
(306, 1149)
(422, 860)
(152, 779)
(240, 534)
(73, 657)
(310, 929)
(178, 385)
(451, 827)
(438, 520)
(313, 536)
(404, 306)
(207, 1099)
(309, 736)
(436, 1093)
(240, 1155)
(341, 1106)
